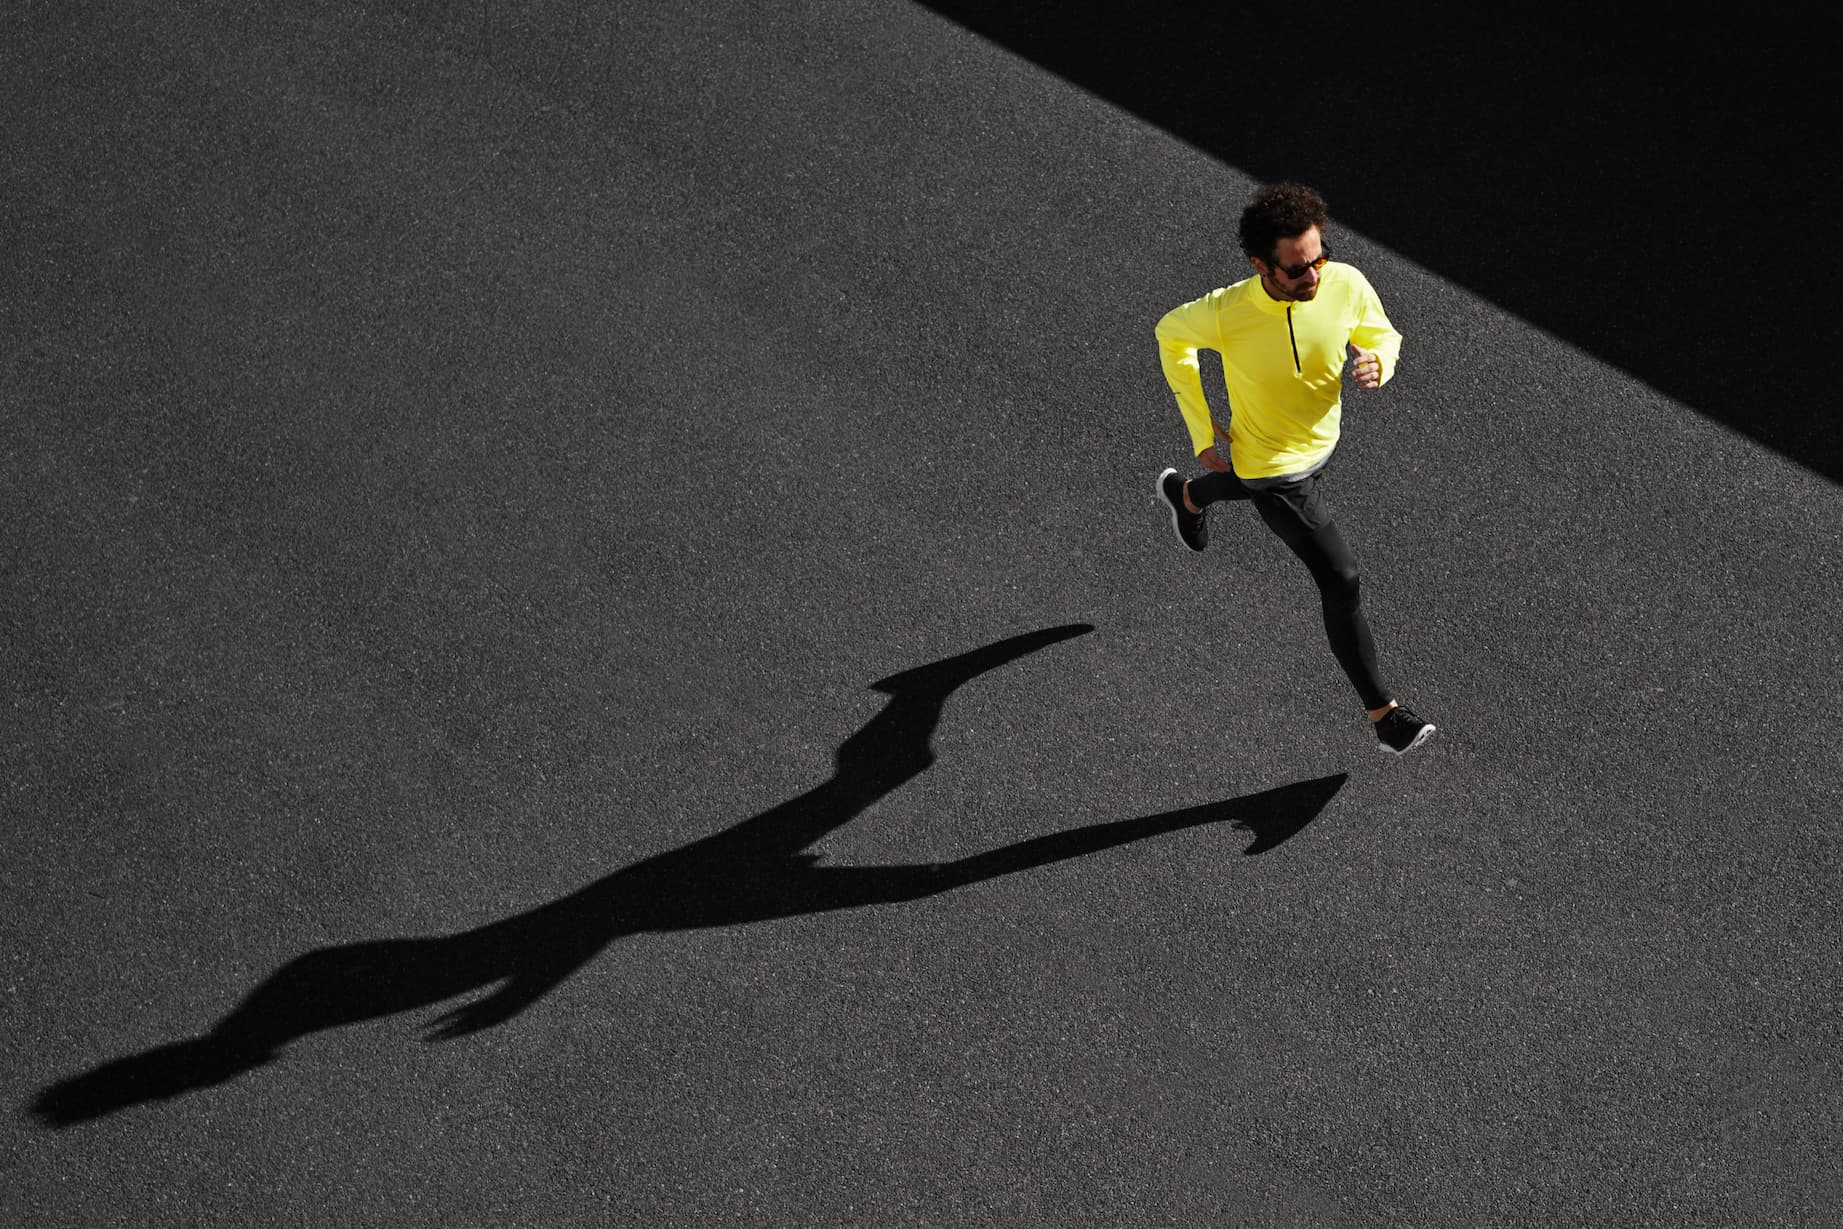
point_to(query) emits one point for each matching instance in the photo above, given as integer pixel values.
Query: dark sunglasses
(1298, 271)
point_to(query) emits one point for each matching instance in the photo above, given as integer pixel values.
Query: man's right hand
(1213, 460)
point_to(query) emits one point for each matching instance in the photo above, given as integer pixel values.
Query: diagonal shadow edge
(753, 871)
(1595, 181)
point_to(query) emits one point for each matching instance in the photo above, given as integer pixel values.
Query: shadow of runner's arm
(887, 752)
(746, 873)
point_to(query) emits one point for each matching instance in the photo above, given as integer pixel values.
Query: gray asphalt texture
(459, 459)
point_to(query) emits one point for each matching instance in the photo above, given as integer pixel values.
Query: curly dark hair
(1279, 211)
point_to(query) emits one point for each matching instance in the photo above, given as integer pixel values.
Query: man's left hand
(1365, 367)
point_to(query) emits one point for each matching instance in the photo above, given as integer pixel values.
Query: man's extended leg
(1327, 555)
(1334, 569)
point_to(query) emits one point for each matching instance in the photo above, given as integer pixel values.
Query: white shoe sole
(1426, 732)
(1158, 493)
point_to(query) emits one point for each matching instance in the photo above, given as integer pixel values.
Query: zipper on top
(1294, 338)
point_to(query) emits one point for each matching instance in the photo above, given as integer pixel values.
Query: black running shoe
(1400, 731)
(1192, 528)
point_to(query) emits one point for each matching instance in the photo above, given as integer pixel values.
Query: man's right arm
(1184, 331)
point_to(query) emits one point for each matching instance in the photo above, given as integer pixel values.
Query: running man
(1285, 336)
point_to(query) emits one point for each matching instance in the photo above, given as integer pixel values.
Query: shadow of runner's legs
(1274, 816)
(754, 871)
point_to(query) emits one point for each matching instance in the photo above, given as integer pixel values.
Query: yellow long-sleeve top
(1283, 364)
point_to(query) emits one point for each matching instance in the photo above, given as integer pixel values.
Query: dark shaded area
(1655, 189)
(752, 872)
(1278, 816)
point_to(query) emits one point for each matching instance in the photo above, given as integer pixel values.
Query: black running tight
(1294, 514)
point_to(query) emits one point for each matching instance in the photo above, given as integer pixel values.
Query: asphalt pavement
(588, 643)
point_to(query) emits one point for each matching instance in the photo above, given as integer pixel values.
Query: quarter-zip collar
(1288, 308)
(1274, 307)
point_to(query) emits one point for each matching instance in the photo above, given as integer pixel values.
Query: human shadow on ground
(752, 872)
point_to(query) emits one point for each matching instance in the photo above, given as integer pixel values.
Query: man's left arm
(1376, 344)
